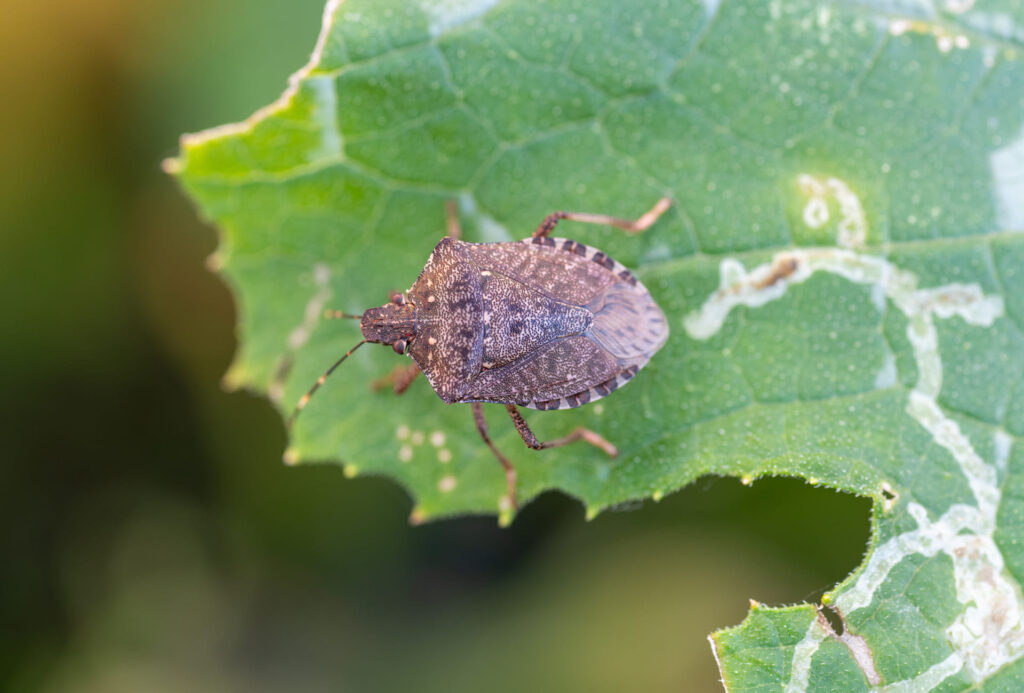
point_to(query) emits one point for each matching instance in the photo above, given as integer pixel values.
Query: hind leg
(645, 221)
(577, 434)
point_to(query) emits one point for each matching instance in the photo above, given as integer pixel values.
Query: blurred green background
(153, 541)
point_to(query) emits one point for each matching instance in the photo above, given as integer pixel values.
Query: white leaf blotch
(989, 631)
(445, 15)
(1008, 184)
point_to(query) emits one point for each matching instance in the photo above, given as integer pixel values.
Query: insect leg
(400, 378)
(510, 471)
(577, 434)
(642, 224)
(405, 377)
(452, 214)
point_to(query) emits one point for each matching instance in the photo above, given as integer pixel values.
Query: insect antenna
(339, 315)
(316, 386)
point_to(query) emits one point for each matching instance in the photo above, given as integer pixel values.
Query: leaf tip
(350, 471)
(215, 261)
(233, 379)
(592, 512)
(506, 511)
(172, 166)
(290, 457)
(417, 517)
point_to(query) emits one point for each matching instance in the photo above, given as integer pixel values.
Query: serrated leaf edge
(175, 165)
(987, 633)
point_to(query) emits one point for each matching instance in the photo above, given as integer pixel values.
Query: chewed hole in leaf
(832, 617)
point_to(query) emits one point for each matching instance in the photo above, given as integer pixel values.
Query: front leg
(451, 211)
(577, 434)
(510, 471)
(400, 378)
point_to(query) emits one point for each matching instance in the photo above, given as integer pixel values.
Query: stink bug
(543, 323)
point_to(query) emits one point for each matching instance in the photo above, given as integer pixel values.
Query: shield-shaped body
(544, 323)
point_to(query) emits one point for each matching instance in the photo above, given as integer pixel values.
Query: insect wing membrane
(629, 324)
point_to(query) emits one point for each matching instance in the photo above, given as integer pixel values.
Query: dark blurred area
(152, 539)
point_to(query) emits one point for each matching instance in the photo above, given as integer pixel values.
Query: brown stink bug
(543, 323)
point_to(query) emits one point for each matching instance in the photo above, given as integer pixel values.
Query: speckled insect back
(544, 323)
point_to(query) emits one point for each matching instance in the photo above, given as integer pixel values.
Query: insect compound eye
(399, 346)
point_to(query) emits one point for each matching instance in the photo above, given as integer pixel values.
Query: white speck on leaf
(816, 209)
(1001, 444)
(898, 27)
(1007, 166)
(959, 6)
(886, 375)
(853, 227)
(445, 15)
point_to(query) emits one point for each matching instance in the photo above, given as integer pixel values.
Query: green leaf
(843, 271)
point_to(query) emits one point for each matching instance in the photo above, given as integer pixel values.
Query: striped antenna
(304, 400)
(339, 315)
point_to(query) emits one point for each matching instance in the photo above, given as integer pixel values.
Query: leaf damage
(989, 632)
